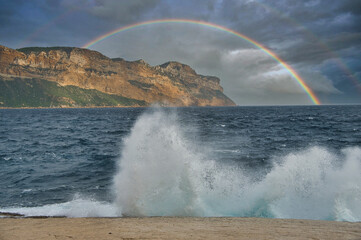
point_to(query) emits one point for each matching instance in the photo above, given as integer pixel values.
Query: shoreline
(90, 107)
(175, 228)
(86, 107)
(150, 106)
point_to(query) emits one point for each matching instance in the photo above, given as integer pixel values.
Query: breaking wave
(78, 207)
(161, 172)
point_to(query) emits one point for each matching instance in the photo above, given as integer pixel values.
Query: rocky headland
(76, 77)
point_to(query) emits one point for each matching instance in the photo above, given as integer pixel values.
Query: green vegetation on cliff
(28, 50)
(78, 77)
(18, 92)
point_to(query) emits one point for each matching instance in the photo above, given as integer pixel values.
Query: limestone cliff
(172, 83)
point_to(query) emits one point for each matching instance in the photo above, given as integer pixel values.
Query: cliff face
(172, 83)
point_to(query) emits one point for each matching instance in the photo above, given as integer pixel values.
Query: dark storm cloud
(273, 21)
(353, 7)
(315, 52)
(309, 35)
(123, 11)
(7, 11)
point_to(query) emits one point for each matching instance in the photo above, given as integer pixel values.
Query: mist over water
(161, 173)
(252, 162)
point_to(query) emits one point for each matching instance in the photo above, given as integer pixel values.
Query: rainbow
(312, 36)
(293, 73)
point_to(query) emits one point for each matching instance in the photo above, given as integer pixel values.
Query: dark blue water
(267, 160)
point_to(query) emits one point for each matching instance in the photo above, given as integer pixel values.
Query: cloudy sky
(320, 39)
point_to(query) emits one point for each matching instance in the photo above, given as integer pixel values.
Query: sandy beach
(175, 228)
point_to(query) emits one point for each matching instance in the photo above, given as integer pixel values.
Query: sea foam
(162, 172)
(79, 206)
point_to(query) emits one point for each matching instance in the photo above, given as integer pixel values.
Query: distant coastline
(73, 107)
(68, 77)
(90, 107)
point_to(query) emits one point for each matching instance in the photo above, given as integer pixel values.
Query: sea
(300, 162)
